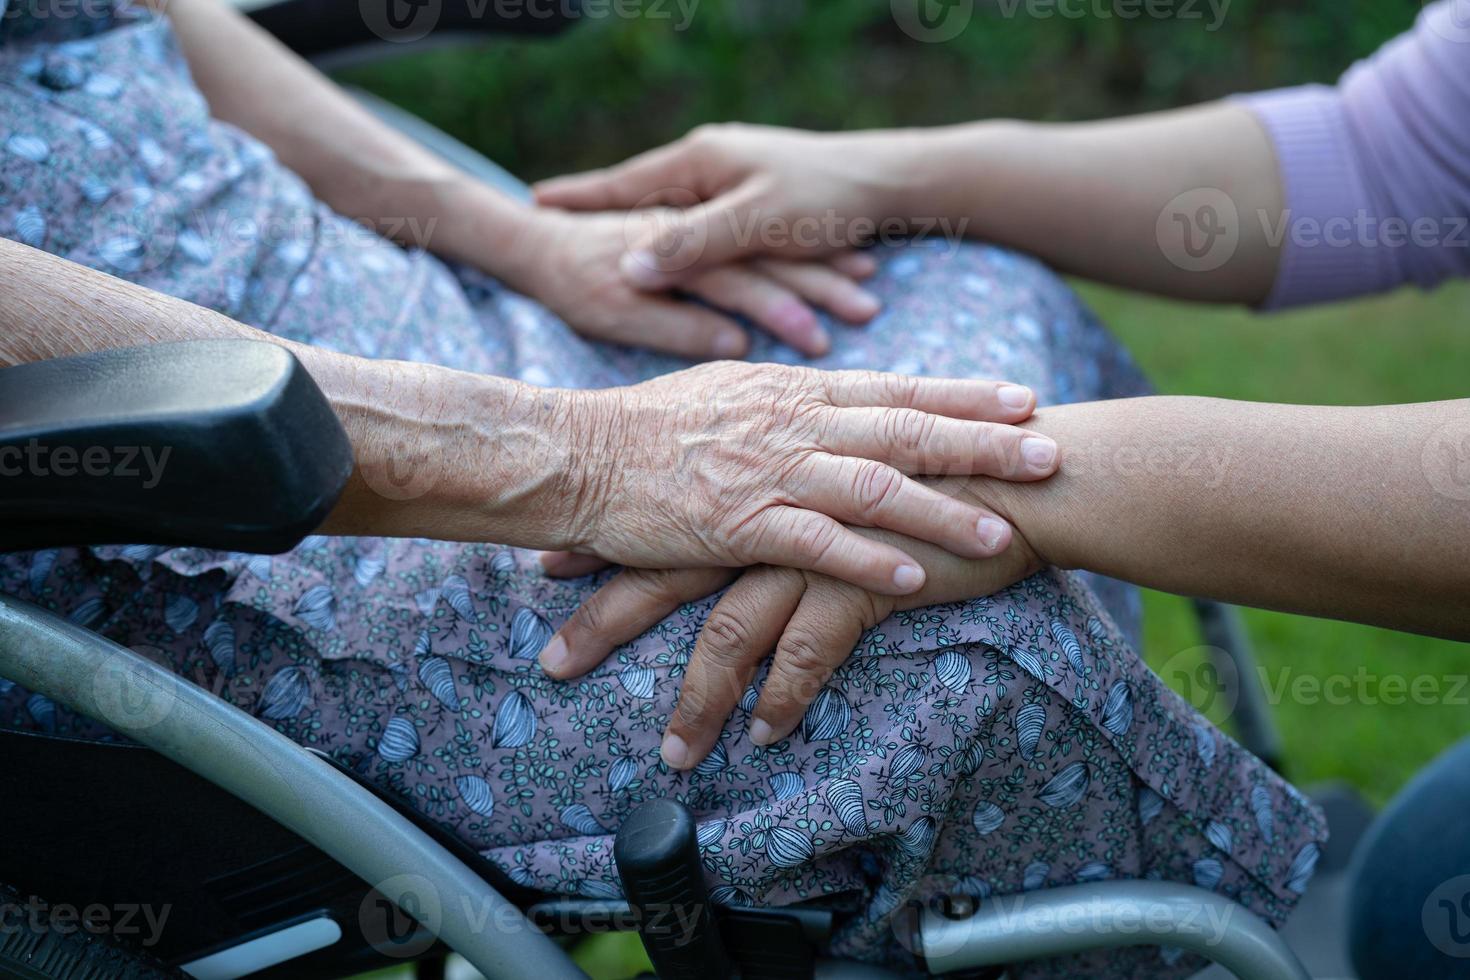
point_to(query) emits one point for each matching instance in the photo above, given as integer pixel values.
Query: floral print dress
(984, 748)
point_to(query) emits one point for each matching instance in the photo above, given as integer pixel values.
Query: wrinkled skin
(811, 621)
(731, 464)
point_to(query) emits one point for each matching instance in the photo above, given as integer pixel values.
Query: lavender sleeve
(1376, 170)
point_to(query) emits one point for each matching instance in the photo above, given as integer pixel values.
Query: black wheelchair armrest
(218, 443)
(314, 28)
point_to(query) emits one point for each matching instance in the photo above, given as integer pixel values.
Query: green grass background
(614, 87)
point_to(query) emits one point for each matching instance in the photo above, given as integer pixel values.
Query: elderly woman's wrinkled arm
(724, 464)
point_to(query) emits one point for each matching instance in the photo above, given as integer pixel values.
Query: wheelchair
(279, 862)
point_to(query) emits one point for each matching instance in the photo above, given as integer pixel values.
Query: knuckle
(876, 487)
(898, 389)
(592, 618)
(726, 637)
(695, 710)
(806, 668)
(814, 539)
(908, 430)
(708, 135)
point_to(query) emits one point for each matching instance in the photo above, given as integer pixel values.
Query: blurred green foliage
(614, 86)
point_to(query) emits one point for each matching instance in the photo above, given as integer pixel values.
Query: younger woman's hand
(743, 191)
(570, 264)
(811, 621)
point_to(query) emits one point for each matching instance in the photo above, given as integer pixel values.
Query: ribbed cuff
(1323, 256)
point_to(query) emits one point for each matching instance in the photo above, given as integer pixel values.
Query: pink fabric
(1377, 169)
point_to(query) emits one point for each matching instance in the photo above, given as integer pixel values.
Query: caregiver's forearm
(440, 453)
(1351, 513)
(1099, 199)
(357, 164)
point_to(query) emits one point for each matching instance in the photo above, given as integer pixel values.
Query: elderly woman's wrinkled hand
(732, 464)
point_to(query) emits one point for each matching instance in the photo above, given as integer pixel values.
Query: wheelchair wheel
(35, 947)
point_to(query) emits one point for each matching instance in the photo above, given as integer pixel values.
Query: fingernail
(865, 304)
(991, 532)
(820, 340)
(554, 656)
(675, 752)
(908, 577)
(797, 321)
(1038, 453)
(641, 269)
(1014, 396)
(761, 733)
(728, 343)
(793, 315)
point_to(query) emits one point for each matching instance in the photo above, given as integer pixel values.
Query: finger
(855, 264)
(622, 610)
(820, 635)
(679, 328)
(690, 241)
(636, 182)
(873, 494)
(986, 401)
(795, 538)
(741, 629)
(767, 303)
(569, 564)
(824, 286)
(920, 442)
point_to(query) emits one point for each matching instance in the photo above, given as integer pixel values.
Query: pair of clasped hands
(829, 499)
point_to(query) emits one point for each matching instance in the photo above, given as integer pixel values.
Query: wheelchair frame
(331, 811)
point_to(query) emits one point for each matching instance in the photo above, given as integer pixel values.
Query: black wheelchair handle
(657, 855)
(225, 444)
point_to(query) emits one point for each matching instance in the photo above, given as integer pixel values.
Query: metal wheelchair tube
(248, 758)
(1108, 915)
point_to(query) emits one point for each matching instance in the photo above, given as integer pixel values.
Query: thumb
(677, 245)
